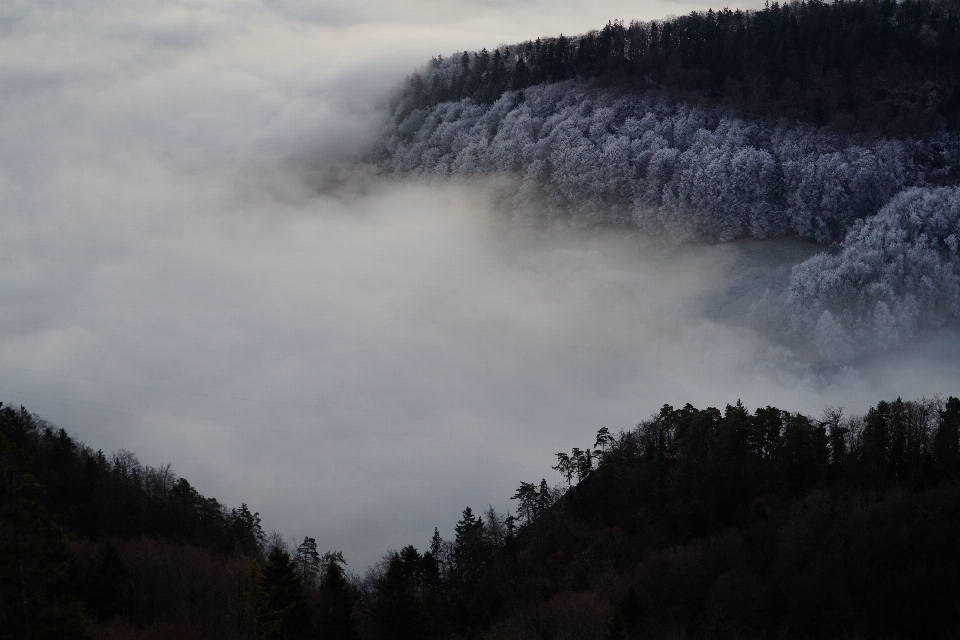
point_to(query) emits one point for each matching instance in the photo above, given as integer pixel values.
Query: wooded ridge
(856, 66)
(697, 523)
(834, 123)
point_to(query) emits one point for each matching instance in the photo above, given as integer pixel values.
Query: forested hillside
(144, 547)
(895, 273)
(98, 496)
(834, 123)
(698, 523)
(861, 66)
(601, 156)
(710, 523)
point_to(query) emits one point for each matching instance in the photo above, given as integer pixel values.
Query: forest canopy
(833, 123)
(862, 65)
(698, 523)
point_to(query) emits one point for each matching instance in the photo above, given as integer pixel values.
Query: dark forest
(868, 66)
(696, 523)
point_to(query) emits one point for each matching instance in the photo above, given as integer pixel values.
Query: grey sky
(358, 366)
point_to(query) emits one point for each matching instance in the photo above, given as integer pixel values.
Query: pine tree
(247, 530)
(277, 603)
(338, 599)
(397, 613)
(36, 568)
(946, 440)
(308, 561)
(470, 550)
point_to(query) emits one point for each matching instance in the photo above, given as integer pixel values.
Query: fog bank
(357, 364)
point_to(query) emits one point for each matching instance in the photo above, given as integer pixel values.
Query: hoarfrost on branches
(600, 156)
(894, 274)
(607, 157)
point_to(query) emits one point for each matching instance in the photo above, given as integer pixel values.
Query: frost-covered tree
(603, 156)
(895, 273)
(604, 153)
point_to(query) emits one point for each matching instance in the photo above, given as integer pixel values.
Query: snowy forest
(834, 124)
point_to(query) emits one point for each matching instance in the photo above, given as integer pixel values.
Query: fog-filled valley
(203, 264)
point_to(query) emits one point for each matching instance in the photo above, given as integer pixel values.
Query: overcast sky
(358, 365)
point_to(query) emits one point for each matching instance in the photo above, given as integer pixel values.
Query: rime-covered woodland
(697, 523)
(896, 272)
(834, 123)
(601, 157)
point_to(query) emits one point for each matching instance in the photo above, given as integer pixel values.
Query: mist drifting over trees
(360, 365)
(835, 124)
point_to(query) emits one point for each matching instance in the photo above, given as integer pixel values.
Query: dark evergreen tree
(397, 612)
(616, 628)
(107, 579)
(277, 601)
(307, 561)
(946, 441)
(470, 550)
(37, 572)
(873, 449)
(247, 530)
(338, 602)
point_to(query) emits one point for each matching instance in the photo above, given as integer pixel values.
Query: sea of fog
(359, 358)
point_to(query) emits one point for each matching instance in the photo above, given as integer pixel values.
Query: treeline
(102, 545)
(706, 524)
(709, 523)
(862, 65)
(98, 496)
(698, 523)
(599, 157)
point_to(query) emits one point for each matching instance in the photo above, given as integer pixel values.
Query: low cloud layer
(357, 364)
